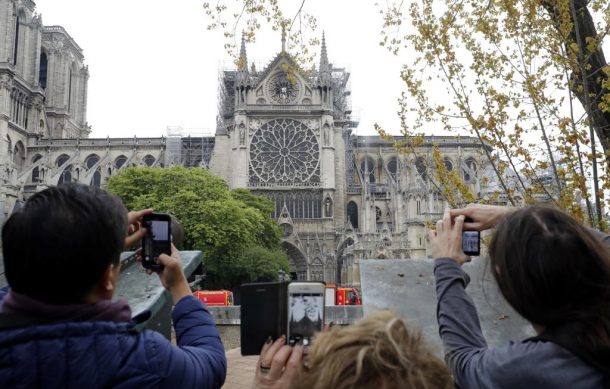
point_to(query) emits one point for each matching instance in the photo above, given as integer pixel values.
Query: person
(308, 311)
(554, 272)
(380, 351)
(59, 326)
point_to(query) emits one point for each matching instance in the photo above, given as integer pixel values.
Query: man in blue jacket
(61, 328)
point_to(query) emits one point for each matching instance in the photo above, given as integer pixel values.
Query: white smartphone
(305, 311)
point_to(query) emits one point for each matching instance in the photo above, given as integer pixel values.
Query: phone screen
(157, 241)
(471, 241)
(305, 316)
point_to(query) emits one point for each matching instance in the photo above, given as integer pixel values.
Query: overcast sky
(153, 64)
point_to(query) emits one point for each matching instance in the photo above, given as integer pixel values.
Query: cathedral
(340, 198)
(283, 133)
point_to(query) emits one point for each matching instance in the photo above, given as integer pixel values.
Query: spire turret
(283, 38)
(323, 55)
(242, 64)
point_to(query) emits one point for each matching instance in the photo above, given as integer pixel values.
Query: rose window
(283, 90)
(284, 151)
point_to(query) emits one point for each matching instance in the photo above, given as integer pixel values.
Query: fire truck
(337, 295)
(215, 298)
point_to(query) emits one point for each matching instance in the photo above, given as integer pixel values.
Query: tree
(512, 70)
(260, 264)
(509, 71)
(216, 220)
(270, 234)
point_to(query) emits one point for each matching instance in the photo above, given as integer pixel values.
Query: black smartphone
(471, 241)
(263, 314)
(157, 240)
(305, 311)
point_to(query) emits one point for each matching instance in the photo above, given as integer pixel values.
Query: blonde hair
(377, 352)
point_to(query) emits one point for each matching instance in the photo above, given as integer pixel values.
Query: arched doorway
(340, 249)
(298, 262)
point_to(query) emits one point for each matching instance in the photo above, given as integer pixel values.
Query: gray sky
(153, 64)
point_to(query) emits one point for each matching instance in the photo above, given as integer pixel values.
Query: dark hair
(60, 243)
(555, 273)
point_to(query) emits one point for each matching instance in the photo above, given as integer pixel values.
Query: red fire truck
(215, 298)
(337, 295)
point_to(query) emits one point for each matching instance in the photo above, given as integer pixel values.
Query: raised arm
(199, 360)
(459, 326)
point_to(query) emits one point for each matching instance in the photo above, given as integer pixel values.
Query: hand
(172, 277)
(483, 216)
(135, 231)
(446, 241)
(278, 366)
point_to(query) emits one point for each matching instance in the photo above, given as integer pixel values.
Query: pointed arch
(42, 72)
(352, 213)
(19, 156)
(297, 260)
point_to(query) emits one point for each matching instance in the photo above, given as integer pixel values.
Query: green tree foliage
(220, 223)
(261, 264)
(270, 234)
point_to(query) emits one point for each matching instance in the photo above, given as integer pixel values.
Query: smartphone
(263, 314)
(471, 242)
(305, 311)
(157, 240)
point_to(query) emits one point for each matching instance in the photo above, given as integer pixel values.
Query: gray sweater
(526, 364)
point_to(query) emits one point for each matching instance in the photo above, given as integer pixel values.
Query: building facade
(44, 134)
(340, 198)
(282, 132)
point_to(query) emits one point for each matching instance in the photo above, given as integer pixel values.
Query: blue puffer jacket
(88, 355)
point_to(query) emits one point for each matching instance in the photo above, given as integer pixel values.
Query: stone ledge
(339, 314)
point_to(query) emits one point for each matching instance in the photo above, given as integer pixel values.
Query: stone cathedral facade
(285, 134)
(339, 198)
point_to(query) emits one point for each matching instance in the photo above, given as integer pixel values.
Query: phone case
(263, 313)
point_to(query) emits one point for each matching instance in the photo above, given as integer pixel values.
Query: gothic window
(418, 205)
(16, 49)
(91, 160)
(36, 170)
(420, 165)
(300, 204)
(393, 166)
(97, 178)
(61, 160)
(120, 161)
(377, 214)
(284, 151)
(70, 90)
(367, 167)
(66, 176)
(352, 213)
(149, 160)
(42, 74)
(448, 164)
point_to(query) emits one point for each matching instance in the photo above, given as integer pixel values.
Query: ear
(110, 277)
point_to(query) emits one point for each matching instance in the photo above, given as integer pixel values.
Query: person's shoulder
(538, 364)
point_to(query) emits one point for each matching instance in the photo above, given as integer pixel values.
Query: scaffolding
(226, 101)
(189, 147)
